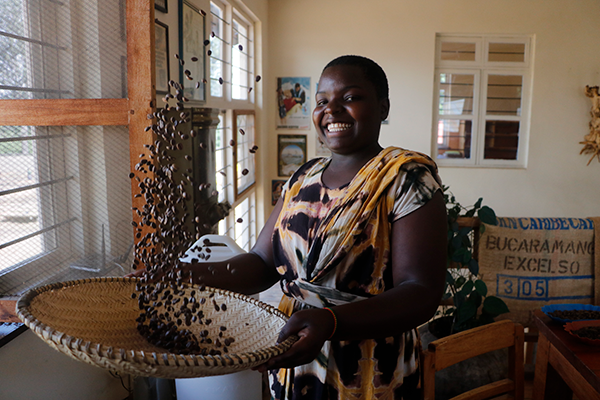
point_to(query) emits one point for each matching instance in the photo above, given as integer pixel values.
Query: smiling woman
(354, 239)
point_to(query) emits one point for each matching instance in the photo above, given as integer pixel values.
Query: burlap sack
(532, 262)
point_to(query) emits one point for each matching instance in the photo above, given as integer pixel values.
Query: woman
(358, 243)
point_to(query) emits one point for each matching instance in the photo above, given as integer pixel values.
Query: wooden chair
(458, 347)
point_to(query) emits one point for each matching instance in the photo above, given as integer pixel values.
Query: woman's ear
(385, 109)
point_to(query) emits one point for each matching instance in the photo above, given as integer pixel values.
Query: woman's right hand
(313, 327)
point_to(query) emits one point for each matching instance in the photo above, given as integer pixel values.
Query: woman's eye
(321, 102)
(350, 98)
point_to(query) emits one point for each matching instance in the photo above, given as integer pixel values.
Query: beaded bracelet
(335, 323)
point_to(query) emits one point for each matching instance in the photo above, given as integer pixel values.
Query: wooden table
(564, 365)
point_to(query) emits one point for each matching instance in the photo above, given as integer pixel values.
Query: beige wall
(400, 34)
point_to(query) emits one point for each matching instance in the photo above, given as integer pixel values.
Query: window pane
(456, 94)
(504, 94)
(501, 140)
(245, 169)
(239, 61)
(454, 138)
(242, 225)
(506, 52)
(221, 159)
(216, 48)
(65, 204)
(457, 51)
(51, 50)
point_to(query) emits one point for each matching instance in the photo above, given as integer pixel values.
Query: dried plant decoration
(591, 143)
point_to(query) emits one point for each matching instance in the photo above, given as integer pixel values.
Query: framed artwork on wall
(161, 5)
(161, 58)
(291, 153)
(191, 50)
(293, 103)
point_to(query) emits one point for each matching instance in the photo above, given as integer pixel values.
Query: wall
(32, 370)
(400, 36)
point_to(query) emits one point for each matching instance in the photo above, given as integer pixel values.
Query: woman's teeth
(337, 127)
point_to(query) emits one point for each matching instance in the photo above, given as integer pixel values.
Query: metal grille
(61, 49)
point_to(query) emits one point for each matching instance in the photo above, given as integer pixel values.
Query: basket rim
(50, 334)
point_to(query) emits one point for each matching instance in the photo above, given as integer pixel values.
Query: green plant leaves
(494, 306)
(473, 267)
(481, 287)
(487, 216)
(472, 305)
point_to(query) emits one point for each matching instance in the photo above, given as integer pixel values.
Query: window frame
(481, 69)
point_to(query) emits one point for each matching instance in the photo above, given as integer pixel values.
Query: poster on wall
(293, 103)
(291, 153)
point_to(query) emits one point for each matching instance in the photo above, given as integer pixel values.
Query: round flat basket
(94, 320)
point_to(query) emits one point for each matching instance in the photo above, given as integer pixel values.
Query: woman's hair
(373, 72)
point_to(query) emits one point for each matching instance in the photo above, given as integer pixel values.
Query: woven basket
(93, 320)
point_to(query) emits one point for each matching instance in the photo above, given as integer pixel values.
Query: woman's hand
(313, 327)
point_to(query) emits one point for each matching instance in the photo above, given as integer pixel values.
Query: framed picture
(291, 153)
(244, 154)
(161, 59)
(191, 50)
(276, 187)
(293, 103)
(161, 5)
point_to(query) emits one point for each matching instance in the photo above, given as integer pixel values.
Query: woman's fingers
(313, 328)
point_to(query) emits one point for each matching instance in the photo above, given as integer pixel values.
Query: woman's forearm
(244, 273)
(398, 310)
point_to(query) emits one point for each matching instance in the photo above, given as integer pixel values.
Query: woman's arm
(247, 273)
(419, 271)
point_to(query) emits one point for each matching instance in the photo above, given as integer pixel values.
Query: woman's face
(348, 113)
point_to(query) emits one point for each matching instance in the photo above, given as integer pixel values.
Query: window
(232, 65)
(482, 100)
(65, 199)
(240, 224)
(231, 53)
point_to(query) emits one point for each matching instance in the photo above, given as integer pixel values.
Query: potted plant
(466, 303)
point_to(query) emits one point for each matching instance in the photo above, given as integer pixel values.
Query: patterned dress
(332, 247)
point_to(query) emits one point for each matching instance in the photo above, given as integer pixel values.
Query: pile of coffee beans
(589, 332)
(574, 315)
(168, 301)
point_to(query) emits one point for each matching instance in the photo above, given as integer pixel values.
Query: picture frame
(191, 51)
(161, 58)
(293, 103)
(291, 153)
(161, 5)
(276, 187)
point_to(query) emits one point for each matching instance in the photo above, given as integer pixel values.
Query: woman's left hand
(313, 328)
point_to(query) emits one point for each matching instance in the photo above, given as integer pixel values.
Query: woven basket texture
(93, 320)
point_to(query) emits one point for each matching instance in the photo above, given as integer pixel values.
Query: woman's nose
(332, 107)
